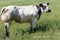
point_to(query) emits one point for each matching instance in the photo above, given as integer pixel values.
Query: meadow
(48, 26)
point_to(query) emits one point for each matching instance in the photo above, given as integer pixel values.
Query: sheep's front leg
(7, 29)
(33, 25)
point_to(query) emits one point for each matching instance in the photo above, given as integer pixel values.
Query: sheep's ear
(40, 4)
(47, 3)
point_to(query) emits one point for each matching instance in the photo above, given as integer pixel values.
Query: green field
(48, 26)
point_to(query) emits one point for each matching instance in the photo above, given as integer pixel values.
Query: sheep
(23, 14)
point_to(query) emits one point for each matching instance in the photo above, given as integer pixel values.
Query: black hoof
(7, 33)
(30, 31)
(34, 30)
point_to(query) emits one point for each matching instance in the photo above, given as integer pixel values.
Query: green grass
(48, 25)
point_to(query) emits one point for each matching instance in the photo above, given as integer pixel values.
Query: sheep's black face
(44, 7)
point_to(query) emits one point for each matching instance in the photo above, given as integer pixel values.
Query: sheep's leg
(33, 24)
(7, 29)
(31, 29)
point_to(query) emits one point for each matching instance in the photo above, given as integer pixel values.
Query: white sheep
(23, 14)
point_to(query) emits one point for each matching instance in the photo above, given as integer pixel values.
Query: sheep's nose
(49, 10)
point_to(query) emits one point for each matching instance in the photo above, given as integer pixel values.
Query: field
(48, 26)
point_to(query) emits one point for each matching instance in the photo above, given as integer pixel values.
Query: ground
(48, 26)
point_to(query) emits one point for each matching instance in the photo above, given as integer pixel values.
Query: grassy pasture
(48, 25)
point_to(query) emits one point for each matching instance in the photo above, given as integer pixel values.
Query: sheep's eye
(44, 7)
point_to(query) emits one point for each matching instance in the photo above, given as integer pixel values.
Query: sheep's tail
(0, 17)
(2, 11)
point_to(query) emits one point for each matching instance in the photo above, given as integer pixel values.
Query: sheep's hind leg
(7, 29)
